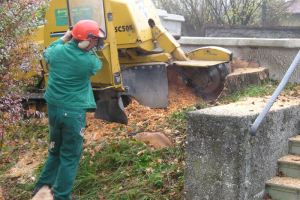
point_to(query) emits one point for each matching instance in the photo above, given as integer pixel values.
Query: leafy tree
(233, 12)
(192, 10)
(198, 13)
(246, 12)
(275, 11)
(19, 21)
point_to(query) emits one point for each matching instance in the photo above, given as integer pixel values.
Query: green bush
(19, 21)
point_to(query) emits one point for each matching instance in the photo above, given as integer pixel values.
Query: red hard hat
(87, 30)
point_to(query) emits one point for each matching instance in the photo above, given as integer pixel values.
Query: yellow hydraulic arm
(202, 57)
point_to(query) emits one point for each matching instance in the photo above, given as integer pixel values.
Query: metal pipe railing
(273, 98)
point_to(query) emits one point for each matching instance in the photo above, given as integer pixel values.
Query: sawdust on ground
(28, 162)
(142, 117)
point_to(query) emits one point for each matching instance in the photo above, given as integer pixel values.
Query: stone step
(288, 187)
(284, 188)
(294, 145)
(290, 165)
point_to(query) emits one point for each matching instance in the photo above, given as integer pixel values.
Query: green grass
(177, 120)
(122, 169)
(21, 137)
(126, 169)
(26, 135)
(266, 89)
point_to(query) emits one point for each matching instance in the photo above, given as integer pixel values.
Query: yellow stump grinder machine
(136, 53)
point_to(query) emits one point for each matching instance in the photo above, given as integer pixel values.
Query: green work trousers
(66, 139)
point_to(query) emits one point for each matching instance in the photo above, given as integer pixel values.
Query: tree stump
(244, 77)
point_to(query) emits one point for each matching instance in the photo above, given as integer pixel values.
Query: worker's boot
(35, 190)
(73, 198)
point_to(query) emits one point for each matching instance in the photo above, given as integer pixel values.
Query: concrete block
(224, 162)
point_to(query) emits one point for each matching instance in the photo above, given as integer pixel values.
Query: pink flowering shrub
(19, 20)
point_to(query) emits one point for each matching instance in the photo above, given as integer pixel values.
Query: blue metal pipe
(271, 101)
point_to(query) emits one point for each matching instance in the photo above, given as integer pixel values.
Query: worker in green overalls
(69, 94)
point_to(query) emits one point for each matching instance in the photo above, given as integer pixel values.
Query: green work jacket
(69, 84)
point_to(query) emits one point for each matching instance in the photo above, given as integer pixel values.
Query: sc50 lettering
(123, 28)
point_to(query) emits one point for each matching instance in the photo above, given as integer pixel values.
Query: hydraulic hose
(273, 98)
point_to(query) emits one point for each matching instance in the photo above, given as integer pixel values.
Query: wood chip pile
(142, 117)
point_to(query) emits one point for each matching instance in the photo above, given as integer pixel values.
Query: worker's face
(92, 44)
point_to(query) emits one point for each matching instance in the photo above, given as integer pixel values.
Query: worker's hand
(67, 36)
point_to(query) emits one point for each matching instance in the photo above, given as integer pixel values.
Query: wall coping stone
(240, 42)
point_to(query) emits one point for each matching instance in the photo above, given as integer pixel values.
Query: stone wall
(252, 32)
(224, 162)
